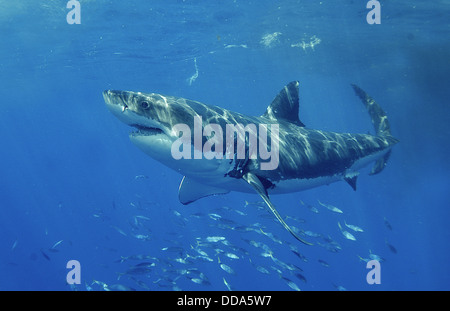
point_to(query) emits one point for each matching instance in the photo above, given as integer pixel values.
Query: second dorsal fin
(286, 105)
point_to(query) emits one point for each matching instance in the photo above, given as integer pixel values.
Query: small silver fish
(181, 260)
(197, 280)
(391, 247)
(346, 234)
(310, 207)
(120, 288)
(353, 227)
(226, 284)
(387, 224)
(142, 217)
(226, 268)
(102, 284)
(262, 270)
(214, 216)
(214, 238)
(240, 212)
(375, 257)
(291, 284)
(119, 230)
(56, 244)
(324, 263)
(142, 237)
(331, 207)
(200, 252)
(232, 256)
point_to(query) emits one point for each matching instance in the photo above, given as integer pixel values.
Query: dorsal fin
(285, 105)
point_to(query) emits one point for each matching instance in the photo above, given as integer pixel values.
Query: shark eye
(144, 105)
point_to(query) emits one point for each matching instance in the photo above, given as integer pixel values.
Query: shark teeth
(143, 130)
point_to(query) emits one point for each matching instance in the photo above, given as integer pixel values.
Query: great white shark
(307, 158)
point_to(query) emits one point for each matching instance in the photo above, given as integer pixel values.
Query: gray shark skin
(307, 158)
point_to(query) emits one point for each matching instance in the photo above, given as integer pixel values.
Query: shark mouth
(141, 130)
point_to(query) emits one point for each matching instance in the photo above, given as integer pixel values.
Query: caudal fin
(377, 114)
(380, 123)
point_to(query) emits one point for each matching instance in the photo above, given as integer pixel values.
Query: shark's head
(154, 117)
(151, 114)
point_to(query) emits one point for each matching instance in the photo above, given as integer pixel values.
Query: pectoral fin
(190, 191)
(254, 181)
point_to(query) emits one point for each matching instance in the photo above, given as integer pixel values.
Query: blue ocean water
(73, 187)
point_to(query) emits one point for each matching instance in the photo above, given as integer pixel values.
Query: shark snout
(113, 97)
(109, 97)
(115, 102)
(116, 99)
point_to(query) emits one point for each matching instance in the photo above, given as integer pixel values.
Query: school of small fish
(193, 259)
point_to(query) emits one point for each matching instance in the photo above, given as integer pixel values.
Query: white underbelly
(300, 184)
